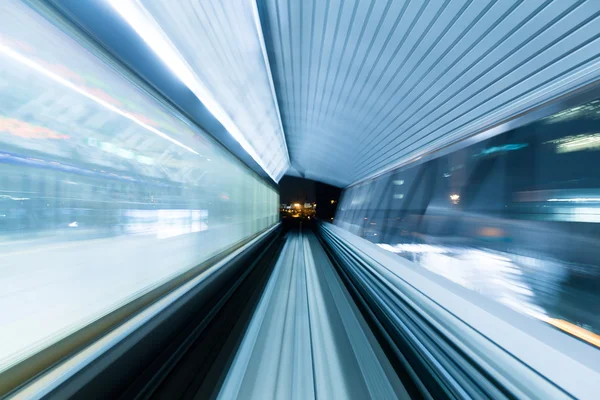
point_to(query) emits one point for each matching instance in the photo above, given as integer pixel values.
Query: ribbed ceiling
(363, 85)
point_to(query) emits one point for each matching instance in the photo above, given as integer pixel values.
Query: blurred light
(574, 330)
(413, 248)
(399, 196)
(4, 196)
(108, 147)
(499, 149)
(589, 110)
(399, 182)
(134, 13)
(577, 200)
(455, 198)
(166, 223)
(567, 144)
(491, 273)
(297, 205)
(125, 153)
(489, 231)
(332, 201)
(73, 224)
(46, 72)
(26, 130)
(144, 160)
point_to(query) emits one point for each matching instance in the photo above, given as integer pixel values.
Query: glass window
(105, 192)
(515, 217)
(402, 187)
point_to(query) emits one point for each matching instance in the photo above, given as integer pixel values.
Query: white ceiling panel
(364, 85)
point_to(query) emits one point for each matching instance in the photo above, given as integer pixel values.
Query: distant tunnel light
(249, 137)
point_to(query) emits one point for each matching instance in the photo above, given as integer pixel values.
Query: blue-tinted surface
(515, 217)
(105, 193)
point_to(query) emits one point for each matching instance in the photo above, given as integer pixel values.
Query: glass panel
(357, 216)
(514, 217)
(196, 41)
(373, 225)
(104, 192)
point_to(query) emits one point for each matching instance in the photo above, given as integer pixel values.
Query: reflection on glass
(514, 218)
(104, 192)
(196, 41)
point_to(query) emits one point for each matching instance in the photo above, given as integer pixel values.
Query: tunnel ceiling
(365, 85)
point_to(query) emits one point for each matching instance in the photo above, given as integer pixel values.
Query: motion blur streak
(207, 78)
(306, 339)
(456, 342)
(31, 64)
(512, 217)
(141, 252)
(96, 208)
(575, 330)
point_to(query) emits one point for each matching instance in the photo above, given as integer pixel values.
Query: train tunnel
(300, 199)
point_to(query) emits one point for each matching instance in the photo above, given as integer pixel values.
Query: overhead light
(145, 25)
